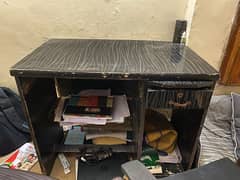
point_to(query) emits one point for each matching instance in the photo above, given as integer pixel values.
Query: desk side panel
(38, 96)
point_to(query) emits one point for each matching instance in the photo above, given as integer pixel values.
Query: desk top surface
(113, 59)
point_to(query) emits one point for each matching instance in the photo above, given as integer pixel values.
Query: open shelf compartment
(41, 96)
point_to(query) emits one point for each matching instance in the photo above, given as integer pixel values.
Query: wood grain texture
(113, 59)
(180, 84)
(230, 71)
(175, 99)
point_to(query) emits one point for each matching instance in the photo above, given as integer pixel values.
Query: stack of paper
(174, 157)
(120, 110)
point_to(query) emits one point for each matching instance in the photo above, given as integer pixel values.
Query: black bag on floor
(14, 130)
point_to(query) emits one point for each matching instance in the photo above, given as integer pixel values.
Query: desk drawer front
(186, 99)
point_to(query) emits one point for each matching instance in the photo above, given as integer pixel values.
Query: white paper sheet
(120, 109)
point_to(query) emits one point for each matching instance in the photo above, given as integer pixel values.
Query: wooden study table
(152, 74)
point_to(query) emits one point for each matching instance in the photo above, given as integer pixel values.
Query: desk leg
(38, 106)
(141, 105)
(27, 115)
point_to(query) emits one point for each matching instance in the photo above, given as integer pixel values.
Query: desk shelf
(41, 99)
(110, 127)
(128, 148)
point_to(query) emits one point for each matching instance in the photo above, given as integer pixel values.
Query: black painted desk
(151, 73)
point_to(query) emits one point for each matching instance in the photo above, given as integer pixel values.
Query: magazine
(23, 158)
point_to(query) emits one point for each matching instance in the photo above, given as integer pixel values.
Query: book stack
(94, 108)
(82, 110)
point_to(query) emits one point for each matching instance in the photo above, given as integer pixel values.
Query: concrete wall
(26, 24)
(211, 27)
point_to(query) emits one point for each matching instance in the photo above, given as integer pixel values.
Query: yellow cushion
(108, 141)
(164, 140)
(159, 132)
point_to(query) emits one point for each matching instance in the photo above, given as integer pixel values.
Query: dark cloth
(14, 130)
